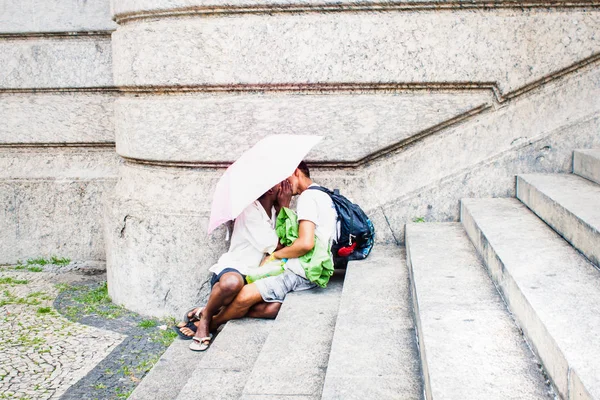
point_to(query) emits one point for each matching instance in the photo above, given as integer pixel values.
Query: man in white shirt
(253, 236)
(316, 216)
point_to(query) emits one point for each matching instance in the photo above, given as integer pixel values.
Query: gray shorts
(274, 288)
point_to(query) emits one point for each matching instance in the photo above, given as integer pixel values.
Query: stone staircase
(427, 321)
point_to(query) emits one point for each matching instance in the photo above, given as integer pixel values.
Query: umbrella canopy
(270, 161)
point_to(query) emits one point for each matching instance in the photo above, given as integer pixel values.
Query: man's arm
(302, 245)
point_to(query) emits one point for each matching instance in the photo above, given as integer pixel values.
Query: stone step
(222, 371)
(169, 374)
(374, 353)
(293, 360)
(569, 204)
(586, 163)
(469, 345)
(551, 289)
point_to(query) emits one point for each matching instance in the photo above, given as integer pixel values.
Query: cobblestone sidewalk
(41, 352)
(55, 342)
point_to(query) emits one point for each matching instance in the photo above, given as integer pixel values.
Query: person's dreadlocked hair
(304, 168)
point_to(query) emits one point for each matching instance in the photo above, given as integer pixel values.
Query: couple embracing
(254, 242)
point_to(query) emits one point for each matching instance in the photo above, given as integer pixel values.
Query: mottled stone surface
(439, 200)
(509, 47)
(534, 133)
(156, 218)
(42, 353)
(167, 6)
(219, 127)
(488, 135)
(51, 202)
(586, 163)
(169, 374)
(55, 63)
(56, 118)
(158, 252)
(224, 369)
(294, 358)
(469, 344)
(58, 163)
(374, 352)
(551, 289)
(569, 204)
(55, 16)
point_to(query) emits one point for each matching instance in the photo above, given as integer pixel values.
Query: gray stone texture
(167, 7)
(219, 127)
(586, 163)
(51, 202)
(374, 352)
(551, 289)
(70, 62)
(509, 47)
(77, 117)
(569, 204)
(224, 370)
(293, 359)
(57, 163)
(469, 344)
(30, 16)
(169, 374)
(158, 252)
(479, 157)
(535, 132)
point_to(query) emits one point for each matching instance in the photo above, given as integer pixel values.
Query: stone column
(201, 81)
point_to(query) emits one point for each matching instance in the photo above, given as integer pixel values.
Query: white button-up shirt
(253, 236)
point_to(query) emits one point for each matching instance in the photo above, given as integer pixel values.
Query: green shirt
(317, 263)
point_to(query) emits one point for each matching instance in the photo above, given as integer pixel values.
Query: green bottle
(273, 268)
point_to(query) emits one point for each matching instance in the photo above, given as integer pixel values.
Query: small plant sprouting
(147, 323)
(60, 261)
(65, 287)
(163, 337)
(37, 261)
(11, 281)
(418, 219)
(44, 310)
(44, 261)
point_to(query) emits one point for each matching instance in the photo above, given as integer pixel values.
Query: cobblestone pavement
(60, 337)
(41, 352)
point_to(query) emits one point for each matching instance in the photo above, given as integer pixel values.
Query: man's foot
(200, 344)
(203, 326)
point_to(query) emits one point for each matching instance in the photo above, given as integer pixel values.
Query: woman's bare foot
(183, 328)
(192, 315)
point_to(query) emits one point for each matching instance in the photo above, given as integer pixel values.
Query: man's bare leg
(264, 310)
(222, 294)
(239, 307)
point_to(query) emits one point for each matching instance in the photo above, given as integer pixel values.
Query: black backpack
(357, 233)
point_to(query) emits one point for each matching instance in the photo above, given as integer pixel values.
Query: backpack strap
(325, 190)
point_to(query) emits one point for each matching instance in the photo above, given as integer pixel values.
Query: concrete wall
(57, 157)
(418, 104)
(111, 142)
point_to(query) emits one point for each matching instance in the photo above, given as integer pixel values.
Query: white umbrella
(270, 161)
